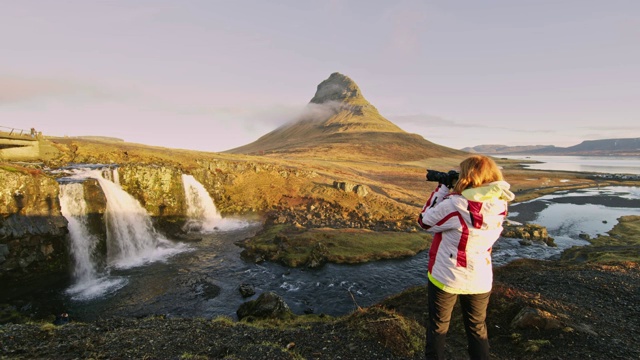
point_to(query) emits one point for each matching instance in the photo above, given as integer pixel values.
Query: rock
(318, 256)
(361, 190)
(528, 232)
(203, 286)
(247, 290)
(267, 306)
(4, 251)
(530, 318)
(346, 186)
(61, 319)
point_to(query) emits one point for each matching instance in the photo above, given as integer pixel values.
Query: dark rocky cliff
(32, 229)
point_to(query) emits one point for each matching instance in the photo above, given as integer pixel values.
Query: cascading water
(202, 215)
(201, 211)
(89, 281)
(83, 243)
(131, 238)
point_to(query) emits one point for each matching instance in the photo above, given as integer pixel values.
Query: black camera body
(448, 179)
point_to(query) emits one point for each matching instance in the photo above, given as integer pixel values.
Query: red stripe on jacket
(433, 251)
(474, 208)
(461, 257)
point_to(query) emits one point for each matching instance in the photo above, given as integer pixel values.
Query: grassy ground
(294, 247)
(621, 244)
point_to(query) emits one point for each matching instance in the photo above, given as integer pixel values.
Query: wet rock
(584, 236)
(268, 305)
(203, 285)
(247, 290)
(61, 319)
(318, 256)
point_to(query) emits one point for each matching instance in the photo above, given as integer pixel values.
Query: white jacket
(465, 227)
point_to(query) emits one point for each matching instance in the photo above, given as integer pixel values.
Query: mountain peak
(339, 122)
(337, 87)
(338, 106)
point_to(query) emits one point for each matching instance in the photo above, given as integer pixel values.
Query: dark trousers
(474, 313)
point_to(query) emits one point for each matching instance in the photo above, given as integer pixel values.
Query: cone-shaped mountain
(339, 123)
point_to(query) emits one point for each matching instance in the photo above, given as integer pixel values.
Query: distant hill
(604, 147)
(339, 123)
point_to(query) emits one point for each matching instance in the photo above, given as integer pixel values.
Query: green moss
(9, 168)
(48, 327)
(620, 245)
(404, 336)
(296, 247)
(224, 320)
(535, 345)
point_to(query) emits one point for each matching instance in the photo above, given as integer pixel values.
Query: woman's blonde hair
(475, 171)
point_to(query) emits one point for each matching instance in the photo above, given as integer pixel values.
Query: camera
(446, 178)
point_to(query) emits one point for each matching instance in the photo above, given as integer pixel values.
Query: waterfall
(74, 209)
(131, 238)
(89, 282)
(202, 214)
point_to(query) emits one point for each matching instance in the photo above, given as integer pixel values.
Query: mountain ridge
(602, 147)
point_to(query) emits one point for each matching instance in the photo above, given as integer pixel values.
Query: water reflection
(594, 164)
(567, 215)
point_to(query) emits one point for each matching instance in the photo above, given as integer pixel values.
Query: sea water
(594, 164)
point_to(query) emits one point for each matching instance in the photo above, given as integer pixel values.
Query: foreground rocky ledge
(539, 309)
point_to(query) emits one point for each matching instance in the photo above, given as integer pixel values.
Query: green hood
(495, 190)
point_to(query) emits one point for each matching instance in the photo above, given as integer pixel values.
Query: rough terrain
(586, 311)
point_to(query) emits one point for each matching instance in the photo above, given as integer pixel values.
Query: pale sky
(213, 75)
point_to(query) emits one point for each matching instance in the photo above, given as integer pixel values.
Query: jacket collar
(491, 191)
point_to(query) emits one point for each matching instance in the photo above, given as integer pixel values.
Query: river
(201, 279)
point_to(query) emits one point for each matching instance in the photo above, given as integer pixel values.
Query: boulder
(346, 186)
(247, 290)
(267, 306)
(528, 232)
(531, 318)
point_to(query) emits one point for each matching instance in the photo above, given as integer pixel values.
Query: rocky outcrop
(32, 229)
(245, 187)
(159, 189)
(528, 233)
(361, 190)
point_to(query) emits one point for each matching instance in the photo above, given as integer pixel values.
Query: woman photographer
(465, 222)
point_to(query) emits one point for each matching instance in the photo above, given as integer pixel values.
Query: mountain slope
(339, 123)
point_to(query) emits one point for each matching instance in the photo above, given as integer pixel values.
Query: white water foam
(131, 239)
(203, 216)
